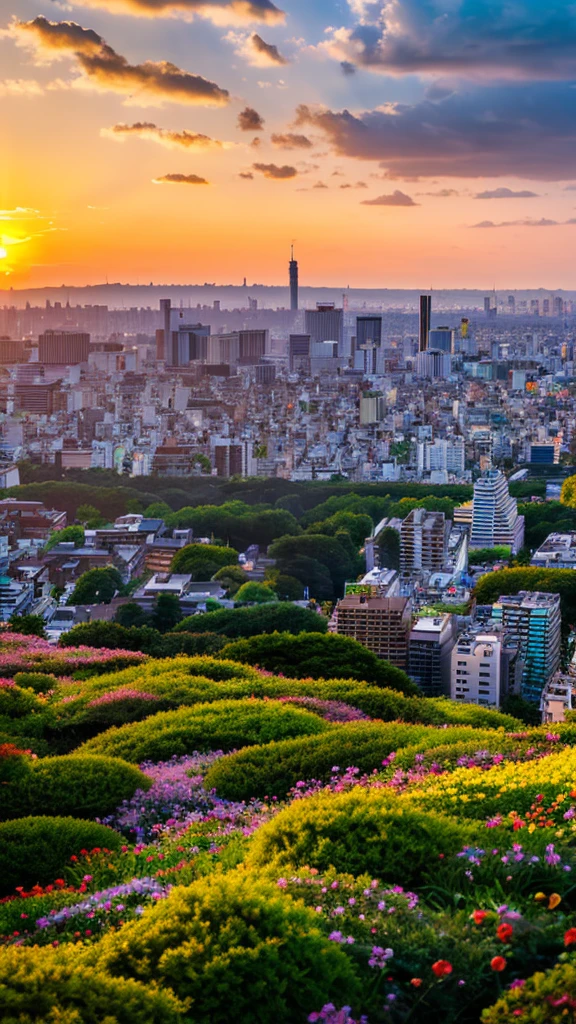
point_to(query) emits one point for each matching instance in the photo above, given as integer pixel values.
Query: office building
(423, 541)
(368, 342)
(251, 347)
(293, 276)
(234, 459)
(443, 455)
(495, 518)
(433, 364)
(441, 339)
(544, 453)
(325, 326)
(558, 551)
(299, 353)
(424, 322)
(476, 668)
(265, 374)
(534, 621)
(12, 351)
(382, 624)
(372, 407)
(63, 348)
(430, 645)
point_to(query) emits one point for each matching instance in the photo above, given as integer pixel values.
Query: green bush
(37, 681)
(38, 850)
(544, 998)
(318, 656)
(15, 701)
(237, 622)
(274, 769)
(221, 725)
(361, 831)
(48, 986)
(238, 948)
(83, 787)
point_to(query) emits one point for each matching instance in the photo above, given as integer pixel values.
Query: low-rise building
(382, 624)
(429, 651)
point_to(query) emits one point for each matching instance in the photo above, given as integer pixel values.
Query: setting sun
(3, 253)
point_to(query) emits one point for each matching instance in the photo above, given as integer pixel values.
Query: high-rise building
(368, 341)
(252, 346)
(423, 541)
(476, 668)
(372, 407)
(441, 339)
(325, 327)
(433, 364)
(382, 624)
(495, 518)
(299, 352)
(534, 621)
(293, 274)
(63, 348)
(429, 650)
(424, 322)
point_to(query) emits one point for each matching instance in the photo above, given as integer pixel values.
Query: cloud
(359, 184)
(150, 83)
(544, 222)
(220, 12)
(276, 172)
(526, 130)
(442, 193)
(395, 198)
(291, 141)
(347, 67)
(164, 136)
(570, 188)
(247, 175)
(249, 120)
(489, 38)
(320, 184)
(180, 179)
(255, 51)
(20, 87)
(506, 193)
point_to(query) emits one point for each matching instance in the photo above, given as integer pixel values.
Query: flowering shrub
(544, 998)
(23, 653)
(331, 710)
(223, 725)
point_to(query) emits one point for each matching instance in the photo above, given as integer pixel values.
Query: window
(484, 675)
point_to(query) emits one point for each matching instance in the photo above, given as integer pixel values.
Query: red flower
(498, 963)
(416, 982)
(504, 932)
(442, 968)
(479, 915)
(570, 937)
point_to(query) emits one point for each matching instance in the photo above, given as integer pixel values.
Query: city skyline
(391, 143)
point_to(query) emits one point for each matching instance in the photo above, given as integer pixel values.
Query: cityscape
(287, 512)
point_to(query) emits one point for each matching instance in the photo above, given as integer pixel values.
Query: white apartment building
(443, 455)
(476, 669)
(495, 518)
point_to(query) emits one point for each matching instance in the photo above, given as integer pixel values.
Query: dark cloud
(359, 184)
(506, 193)
(221, 12)
(291, 141)
(164, 136)
(180, 179)
(526, 130)
(104, 69)
(268, 53)
(442, 193)
(247, 175)
(347, 67)
(528, 40)
(249, 120)
(273, 171)
(526, 223)
(320, 184)
(395, 198)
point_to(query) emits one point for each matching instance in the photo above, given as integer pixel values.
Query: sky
(395, 143)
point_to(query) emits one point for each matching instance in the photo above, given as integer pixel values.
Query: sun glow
(3, 253)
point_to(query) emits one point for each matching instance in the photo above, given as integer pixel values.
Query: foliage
(389, 547)
(231, 577)
(131, 614)
(319, 656)
(221, 725)
(485, 556)
(167, 613)
(90, 517)
(510, 581)
(524, 710)
(237, 947)
(29, 625)
(83, 787)
(255, 593)
(37, 849)
(113, 636)
(359, 831)
(236, 522)
(543, 518)
(201, 561)
(70, 534)
(358, 526)
(96, 586)
(240, 622)
(329, 551)
(286, 588)
(544, 998)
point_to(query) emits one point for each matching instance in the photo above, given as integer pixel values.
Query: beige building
(382, 624)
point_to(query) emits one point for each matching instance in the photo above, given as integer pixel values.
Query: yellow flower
(539, 896)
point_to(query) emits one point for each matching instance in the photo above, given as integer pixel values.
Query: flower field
(194, 841)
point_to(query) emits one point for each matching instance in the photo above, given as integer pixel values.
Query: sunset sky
(405, 143)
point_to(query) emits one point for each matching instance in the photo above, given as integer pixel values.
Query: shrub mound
(83, 787)
(33, 851)
(237, 947)
(222, 725)
(47, 986)
(273, 770)
(544, 998)
(363, 830)
(237, 622)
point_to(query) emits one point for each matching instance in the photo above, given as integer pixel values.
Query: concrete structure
(423, 541)
(429, 650)
(433, 364)
(533, 620)
(63, 347)
(382, 624)
(293, 276)
(476, 668)
(558, 551)
(495, 518)
(424, 321)
(441, 339)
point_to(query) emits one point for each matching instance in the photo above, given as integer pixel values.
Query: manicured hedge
(84, 787)
(238, 948)
(38, 850)
(274, 769)
(363, 830)
(49, 986)
(222, 725)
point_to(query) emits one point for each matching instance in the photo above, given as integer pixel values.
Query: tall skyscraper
(441, 339)
(324, 325)
(424, 326)
(293, 272)
(534, 620)
(423, 541)
(368, 340)
(495, 518)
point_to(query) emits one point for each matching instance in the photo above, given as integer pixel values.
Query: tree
(30, 625)
(203, 560)
(131, 614)
(255, 593)
(231, 577)
(90, 516)
(319, 656)
(356, 525)
(511, 581)
(286, 588)
(486, 556)
(96, 586)
(113, 636)
(327, 550)
(266, 618)
(310, 573)
(70, 534)
(157, 510)
(167, 613)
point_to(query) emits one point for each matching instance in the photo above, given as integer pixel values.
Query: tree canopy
(70, 534)
(510, 581)
(255, 593)
(202, 561)
(267, 618)
(96, 586)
